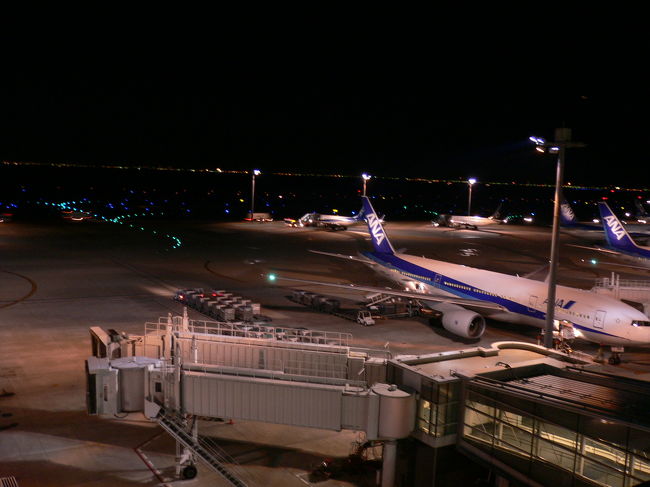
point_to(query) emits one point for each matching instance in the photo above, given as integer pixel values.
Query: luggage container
(308, 298)
(215, 311)
(226, 314)
(200, 302)
(207, 306)
(244, 313)
(317, 301)
(330, 305)
(296, 295)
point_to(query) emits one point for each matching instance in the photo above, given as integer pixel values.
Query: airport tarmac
(57, 279)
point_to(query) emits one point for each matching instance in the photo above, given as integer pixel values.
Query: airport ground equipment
(377, 306)
(364, 317)
(259, 217)
(219, 304)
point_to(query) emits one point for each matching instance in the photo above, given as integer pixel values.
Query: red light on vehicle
(214, 294)
(605, 198)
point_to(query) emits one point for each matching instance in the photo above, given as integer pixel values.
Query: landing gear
(615, 357)
(563, 338)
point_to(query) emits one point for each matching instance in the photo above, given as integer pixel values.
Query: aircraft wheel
(189, 472)
(614, 359)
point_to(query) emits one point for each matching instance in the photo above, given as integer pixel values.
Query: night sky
(321, 120)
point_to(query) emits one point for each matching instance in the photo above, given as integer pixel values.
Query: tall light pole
(470, 183)
(256, 172)
(365, 177)
(562, 141)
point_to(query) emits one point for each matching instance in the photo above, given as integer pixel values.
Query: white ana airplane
(470, 222)
(466, 296)
(330, 222)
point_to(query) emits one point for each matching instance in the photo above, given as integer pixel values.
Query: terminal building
(512, 414)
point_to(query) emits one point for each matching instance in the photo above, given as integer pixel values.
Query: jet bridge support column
(396, 419)
(388, 464)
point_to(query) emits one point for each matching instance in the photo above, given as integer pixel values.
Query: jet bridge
(629, 290)
(183, 368)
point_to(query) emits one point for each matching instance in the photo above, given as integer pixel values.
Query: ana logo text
(560, 303)
(375, 228)
(615, 227)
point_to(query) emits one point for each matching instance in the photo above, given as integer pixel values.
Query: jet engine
(464, 323)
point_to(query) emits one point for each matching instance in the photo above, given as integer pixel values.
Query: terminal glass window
(438, 409)
(425, 409)
(528, 443)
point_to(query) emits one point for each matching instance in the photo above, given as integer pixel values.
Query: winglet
(378, 236)
(616, 235)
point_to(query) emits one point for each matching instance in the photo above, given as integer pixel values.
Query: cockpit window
(640, 323)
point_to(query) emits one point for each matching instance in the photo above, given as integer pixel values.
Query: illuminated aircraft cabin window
(640, 323)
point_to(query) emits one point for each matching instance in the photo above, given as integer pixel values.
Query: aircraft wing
(346, 257)
(596, 249)
(474, 303)
(610, 252)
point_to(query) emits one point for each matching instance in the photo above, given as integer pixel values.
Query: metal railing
(250, 330)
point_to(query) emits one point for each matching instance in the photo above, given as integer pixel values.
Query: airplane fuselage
(472, 221)
(596, 317)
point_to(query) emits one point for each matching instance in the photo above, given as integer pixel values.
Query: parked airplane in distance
(619, 241)
(569, 220)
(466, 296)
(637, 225)
(76, 216)
(470, 222)
(330, 222)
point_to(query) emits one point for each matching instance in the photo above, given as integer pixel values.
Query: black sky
(320, 119)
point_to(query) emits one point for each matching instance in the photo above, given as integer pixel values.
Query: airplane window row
(579, 315)
(468, 288)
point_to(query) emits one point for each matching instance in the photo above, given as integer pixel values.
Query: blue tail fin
(379, 238)
(567, 217)
(616, 235)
